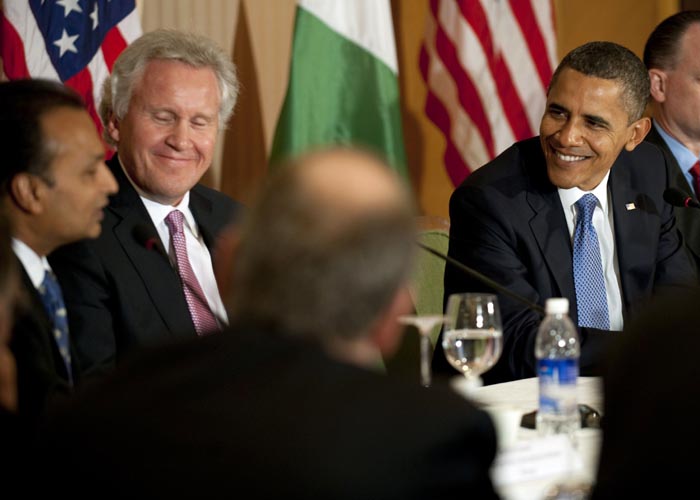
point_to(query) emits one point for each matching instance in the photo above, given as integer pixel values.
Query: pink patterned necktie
(202, 317)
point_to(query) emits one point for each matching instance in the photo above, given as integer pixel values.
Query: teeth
(569, 157)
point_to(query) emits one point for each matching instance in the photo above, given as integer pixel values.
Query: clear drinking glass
(473, 336)
(424, 325)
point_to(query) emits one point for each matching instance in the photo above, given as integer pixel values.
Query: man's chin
(559, 180)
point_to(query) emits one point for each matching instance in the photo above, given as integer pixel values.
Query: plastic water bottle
(557, 350)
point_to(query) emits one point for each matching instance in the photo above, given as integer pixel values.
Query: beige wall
(261, 31)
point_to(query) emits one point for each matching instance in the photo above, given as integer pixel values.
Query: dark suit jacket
(41, 373)
(688, 220)
(508, 223)
(652, 402)
(120, 295)
(253, 414)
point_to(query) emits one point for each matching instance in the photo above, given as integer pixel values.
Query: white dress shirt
(604, 227)
(33, 264)
(197, 251)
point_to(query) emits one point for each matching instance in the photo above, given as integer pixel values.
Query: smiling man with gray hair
(149, 277)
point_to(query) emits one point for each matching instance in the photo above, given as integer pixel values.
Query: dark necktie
(695, 172)
(591, 297)
(202, 317)
(52, 298)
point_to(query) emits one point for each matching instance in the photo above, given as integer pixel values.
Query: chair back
(427, 279)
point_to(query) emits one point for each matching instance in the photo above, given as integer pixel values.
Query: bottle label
(557, 378)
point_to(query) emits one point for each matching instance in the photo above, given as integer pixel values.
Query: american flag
(487, 65)
(74, 41)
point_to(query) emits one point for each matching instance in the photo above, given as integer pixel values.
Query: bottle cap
(557, 305)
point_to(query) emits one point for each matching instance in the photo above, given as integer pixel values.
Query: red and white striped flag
(72, 41)
(487, 65)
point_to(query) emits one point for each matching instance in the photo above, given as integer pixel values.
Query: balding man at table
(287, 402)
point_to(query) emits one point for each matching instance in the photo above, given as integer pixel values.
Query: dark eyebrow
(557, 108)
(598, 120)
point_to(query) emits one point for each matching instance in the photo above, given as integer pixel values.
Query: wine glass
(473, 336)
(424, 325)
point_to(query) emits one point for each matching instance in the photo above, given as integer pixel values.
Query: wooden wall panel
(264, 63)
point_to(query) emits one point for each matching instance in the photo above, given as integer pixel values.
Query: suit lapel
(550, 231)
(158, 276)
(688, 220)
(36, 313)
(203, 212)
(631, 209)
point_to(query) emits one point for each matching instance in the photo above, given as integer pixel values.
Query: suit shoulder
(219, 199)
(512, 162)
(646, 148)
(648, 161)
(216, 197)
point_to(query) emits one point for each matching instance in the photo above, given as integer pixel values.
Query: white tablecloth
(523, 394)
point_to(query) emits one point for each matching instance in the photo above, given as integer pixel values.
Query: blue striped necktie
(51, 296)
(591, 298)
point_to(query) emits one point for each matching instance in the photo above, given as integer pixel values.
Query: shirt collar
(685, 158)
(158, 211)
(570, 196)
(35, 265)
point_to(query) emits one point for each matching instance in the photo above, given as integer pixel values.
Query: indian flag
(343, 81)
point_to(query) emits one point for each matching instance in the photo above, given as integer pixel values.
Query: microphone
(145, 237)
(678, 198)
(485, 280)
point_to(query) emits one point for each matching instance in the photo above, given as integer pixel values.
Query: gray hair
(163, 44)
(611, 61)
(308, 268)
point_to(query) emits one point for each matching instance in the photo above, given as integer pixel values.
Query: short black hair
(662, 47)
(22, 104)
(611, 61)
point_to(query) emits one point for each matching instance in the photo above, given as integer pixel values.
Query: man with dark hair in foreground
(287, 403)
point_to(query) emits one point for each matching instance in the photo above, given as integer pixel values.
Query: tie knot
(586, 205)
(174, 221)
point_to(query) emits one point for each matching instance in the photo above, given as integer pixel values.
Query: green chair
(426, 291)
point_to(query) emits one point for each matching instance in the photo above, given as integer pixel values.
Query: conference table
(527, 465)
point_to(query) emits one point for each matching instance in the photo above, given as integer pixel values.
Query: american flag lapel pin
(630, 206)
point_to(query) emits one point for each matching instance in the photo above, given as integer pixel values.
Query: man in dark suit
(12, 432)
(55, 185)
(288, 403)
(651, 391)
(671, 56)
(517, 218)
(167, 98)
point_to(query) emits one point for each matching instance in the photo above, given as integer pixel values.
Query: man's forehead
(590, 94)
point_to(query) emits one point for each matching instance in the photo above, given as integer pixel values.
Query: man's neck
(359, 352)
(692, 144)
(30, 238)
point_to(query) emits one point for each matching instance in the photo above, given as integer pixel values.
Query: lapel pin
(630, 206)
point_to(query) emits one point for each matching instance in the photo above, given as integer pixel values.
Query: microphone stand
(487, 281)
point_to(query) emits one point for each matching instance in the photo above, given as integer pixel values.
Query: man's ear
(26, 191)
(640, 129)
(387, 332)
(658, 84)
(113, 127)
